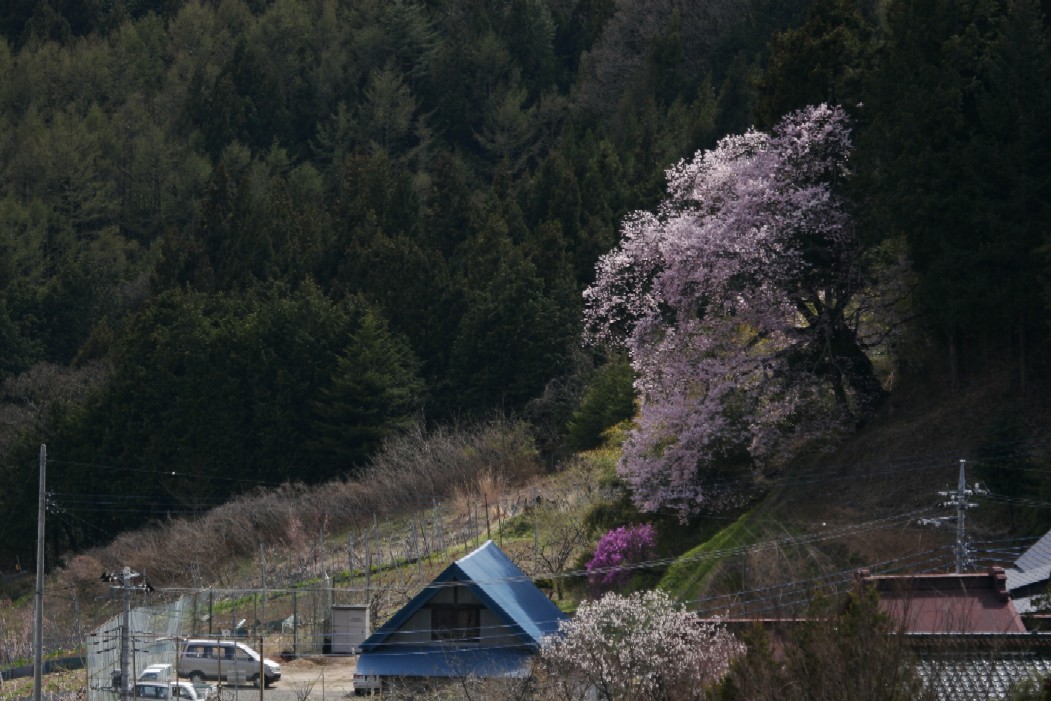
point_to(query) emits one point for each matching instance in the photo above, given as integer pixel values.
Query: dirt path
(336, 674)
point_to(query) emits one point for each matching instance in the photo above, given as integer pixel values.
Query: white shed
(351, 624)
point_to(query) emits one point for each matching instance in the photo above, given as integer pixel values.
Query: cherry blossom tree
(738, 302)
(641, 646)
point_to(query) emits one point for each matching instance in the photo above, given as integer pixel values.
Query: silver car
(225, 660)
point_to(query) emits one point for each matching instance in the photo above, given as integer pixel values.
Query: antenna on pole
(958, 499)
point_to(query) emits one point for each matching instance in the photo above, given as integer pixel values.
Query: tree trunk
(857, 371)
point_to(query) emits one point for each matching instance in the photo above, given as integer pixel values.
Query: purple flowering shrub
(616, 550)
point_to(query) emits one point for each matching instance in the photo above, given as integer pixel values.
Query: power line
(829, 474)
(777, 599)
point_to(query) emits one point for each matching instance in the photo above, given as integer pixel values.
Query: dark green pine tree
(824, 60)
(1009, 168)
(18, 350)
(555, 198)
(736, 98)
(608, 400)
(245, 254)
(514, 334)
(188, 258)
(447, 204)
(952, 158)
(375, 391)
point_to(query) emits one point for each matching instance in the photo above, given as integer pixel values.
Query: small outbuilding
(481, 617)
(350, 627)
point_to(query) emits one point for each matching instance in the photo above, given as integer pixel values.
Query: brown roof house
(969, 640)
(961, 603)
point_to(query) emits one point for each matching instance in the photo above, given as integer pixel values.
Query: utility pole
(958, 499)
(262, 580)
(126, 578)
(962, 548)
(38, 609)
(125, 635)
(368, 568)
(262, 669)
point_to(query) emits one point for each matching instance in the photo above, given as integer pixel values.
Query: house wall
(416, 630)
(495, 632)
(448, 595)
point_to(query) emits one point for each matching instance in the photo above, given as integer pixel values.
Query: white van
(225, 660)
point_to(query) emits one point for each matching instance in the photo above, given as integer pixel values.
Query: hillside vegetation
(278, 268)
(797, 542)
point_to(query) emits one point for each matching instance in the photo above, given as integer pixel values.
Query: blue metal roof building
(1027, 580)
(482, 616)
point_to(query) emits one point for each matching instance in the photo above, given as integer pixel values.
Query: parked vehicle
(156, 672)
(365, 684)
(225, 660)
(166, 690)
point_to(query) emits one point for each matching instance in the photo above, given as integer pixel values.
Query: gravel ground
(317, 678)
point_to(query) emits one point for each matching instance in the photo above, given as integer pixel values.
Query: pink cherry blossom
(738, 304)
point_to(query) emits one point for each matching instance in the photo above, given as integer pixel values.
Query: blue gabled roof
(499, 584)
(503, 587)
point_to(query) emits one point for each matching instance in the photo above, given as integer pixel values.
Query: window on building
(456, 621)
(452, 622)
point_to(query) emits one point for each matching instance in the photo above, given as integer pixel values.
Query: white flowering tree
(738, 301)
(641, 646)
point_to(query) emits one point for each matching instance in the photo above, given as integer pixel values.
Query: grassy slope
(895, 464)
(686, 578)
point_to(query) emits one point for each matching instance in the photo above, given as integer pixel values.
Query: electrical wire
(894, 468)
(828, 474)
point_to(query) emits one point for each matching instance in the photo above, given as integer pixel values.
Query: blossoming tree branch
(740, 304)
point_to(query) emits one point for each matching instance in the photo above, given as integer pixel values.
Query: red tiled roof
(947, 603)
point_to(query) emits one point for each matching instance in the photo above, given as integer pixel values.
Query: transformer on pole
(126, 579)
(958, 499)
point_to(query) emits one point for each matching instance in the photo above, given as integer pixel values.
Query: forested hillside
(244, 241)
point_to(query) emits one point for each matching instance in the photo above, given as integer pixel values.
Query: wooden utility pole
(262, 669)
(368, 568)
(488, 532)
(350, 556)
(38, 609)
